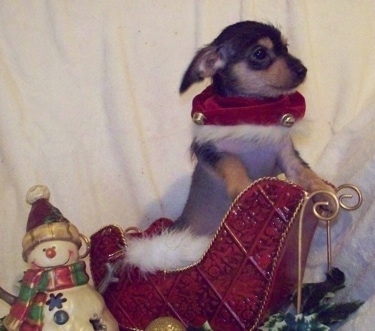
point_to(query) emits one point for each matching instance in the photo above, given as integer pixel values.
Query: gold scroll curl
(347, 197)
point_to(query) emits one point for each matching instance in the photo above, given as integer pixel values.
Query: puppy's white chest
(257, 146)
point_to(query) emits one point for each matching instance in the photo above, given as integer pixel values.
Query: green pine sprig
(318, 311)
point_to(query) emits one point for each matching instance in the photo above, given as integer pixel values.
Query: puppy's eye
(259, 54)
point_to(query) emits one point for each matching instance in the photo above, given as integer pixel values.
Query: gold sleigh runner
(250, 270)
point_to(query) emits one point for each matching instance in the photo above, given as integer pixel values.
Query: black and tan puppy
(243, 120)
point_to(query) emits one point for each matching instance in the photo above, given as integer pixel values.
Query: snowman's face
(53, 253)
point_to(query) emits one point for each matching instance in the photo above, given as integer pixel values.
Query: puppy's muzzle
(298, 69)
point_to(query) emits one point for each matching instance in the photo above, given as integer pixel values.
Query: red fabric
(220, 110)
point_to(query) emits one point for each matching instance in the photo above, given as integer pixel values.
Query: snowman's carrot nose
(50, 252)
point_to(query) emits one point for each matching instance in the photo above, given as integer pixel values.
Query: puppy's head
(248, 59)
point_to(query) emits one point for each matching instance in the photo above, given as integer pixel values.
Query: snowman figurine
(54, 293)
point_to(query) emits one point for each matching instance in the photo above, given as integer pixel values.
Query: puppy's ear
(205, 63)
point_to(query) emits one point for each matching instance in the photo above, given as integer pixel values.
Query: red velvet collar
(212, 109)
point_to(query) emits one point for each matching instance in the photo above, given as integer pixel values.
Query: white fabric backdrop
(89, 106)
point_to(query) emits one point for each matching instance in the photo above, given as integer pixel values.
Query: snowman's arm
(10, 299)
(108, 278)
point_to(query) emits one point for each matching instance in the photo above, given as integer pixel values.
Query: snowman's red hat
(46, 222)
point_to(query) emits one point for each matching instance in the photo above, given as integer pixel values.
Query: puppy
(243, 120)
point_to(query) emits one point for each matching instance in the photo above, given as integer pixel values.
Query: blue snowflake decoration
(55, 301)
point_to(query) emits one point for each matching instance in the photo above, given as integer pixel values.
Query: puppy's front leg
(298, 171)
(233, 172)
(227, 166)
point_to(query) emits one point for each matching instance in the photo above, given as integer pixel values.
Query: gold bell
(288, 120)
(198, 118)
(165, 324)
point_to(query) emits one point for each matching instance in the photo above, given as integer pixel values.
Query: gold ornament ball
(165, 324)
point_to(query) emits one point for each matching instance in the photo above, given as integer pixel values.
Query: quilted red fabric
(248, 272)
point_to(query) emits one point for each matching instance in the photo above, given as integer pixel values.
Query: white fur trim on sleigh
(167, 251)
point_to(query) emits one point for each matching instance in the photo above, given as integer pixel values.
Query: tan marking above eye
(266, 42)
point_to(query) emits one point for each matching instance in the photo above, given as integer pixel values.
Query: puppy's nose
(297, 67)
(301, 71)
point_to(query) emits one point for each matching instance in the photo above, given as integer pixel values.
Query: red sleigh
(248, 272)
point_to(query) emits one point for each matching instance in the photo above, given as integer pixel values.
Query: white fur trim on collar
(258, 133)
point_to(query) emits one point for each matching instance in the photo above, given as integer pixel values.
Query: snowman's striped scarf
(27, 312)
